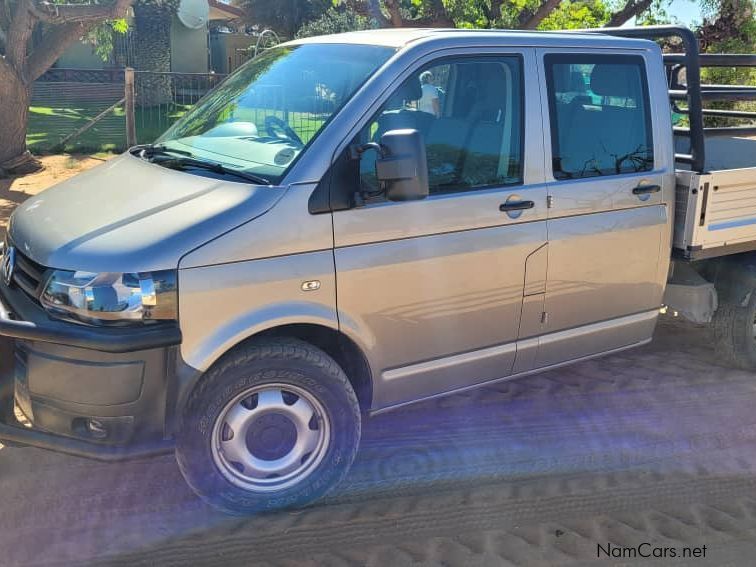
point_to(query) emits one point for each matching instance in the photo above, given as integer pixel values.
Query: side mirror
(402, 165)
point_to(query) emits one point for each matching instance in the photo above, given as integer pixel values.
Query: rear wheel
(274, 424)
(735, 331)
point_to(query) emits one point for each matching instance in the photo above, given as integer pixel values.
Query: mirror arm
(355, 153)
(356, 150)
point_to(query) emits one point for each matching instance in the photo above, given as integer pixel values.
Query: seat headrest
(411, 90)
(615, 80)
(577, 84)
(561, 78)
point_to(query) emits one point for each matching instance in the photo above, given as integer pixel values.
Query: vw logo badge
(8, 264)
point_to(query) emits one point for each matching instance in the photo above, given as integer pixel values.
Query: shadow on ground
(653, 445)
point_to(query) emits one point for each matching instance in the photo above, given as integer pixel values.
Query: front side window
(264, 115)
(469, 111)
(600, 115)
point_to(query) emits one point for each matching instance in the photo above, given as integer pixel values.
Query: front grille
(28, 275)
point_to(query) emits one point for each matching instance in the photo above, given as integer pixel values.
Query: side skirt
(507, 378)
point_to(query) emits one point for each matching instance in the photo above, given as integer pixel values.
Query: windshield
(261, 119)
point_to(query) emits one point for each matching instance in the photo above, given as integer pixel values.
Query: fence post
(129, 105)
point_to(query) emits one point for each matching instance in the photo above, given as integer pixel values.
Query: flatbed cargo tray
(715, 213)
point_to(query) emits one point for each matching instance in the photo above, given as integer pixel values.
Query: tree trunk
(153, 54)
(632, 9)
(14, 110)
(531, 22)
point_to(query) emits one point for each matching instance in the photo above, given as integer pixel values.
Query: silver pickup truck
(353, 223)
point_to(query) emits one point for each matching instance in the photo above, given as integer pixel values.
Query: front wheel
(274, 424)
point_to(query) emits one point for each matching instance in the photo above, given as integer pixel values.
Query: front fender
(220, 306)
(213, 345)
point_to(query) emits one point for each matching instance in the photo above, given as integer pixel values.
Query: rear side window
(600, 115)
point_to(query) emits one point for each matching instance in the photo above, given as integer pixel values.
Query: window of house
(600, 115)
(469, 111)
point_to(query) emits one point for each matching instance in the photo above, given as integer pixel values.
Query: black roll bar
(692, 92)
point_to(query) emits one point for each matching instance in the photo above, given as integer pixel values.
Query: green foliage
(102, 37)
(573, 15)
(336, 19)
(285, 17)
(170, 6)
(744, 43)
(469, 13)
(657, 14)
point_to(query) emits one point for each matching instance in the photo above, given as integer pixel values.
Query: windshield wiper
(188, 162)
(148, 150)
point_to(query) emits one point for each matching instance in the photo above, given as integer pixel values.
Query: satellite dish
(194, 14)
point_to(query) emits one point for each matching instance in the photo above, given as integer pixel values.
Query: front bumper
(87, 391)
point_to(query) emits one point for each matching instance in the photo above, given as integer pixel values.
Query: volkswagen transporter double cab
(353, 223)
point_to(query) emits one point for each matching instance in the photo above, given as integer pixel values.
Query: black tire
(266, 361)
(7, 383)
(733, 327)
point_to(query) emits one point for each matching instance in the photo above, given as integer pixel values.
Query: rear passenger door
(437, 284)
(607, 217)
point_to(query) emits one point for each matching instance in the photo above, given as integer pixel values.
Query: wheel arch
(338, 345)
(733, 276)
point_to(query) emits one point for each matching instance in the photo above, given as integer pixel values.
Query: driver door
(436, 285)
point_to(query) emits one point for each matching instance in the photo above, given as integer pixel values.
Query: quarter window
(600, 115)
(469, 111)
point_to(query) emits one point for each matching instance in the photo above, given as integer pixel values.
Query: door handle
(516, 206)
(646, 189)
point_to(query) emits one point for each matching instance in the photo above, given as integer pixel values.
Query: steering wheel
(274, 125)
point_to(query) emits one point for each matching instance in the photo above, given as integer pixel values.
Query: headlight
(111, 298)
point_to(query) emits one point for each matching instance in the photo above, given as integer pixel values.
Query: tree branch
(436, 14)
(66, 28)
(631, 9)
(395, 15)
(73, 13)
(369, 9)
(18, 36)
(494, 13)
(729, 24)
(531, 22)
(5, 67)
(52, 46)
(375, 12)
(4, 21)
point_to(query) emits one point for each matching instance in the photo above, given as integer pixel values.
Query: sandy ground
(57, 168)
(655, 445)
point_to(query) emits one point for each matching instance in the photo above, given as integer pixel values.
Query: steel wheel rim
(270, 437)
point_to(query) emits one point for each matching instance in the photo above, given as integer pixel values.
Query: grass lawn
(49, 125)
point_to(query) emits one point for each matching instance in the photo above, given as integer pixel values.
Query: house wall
(189, 52)
(188, 49)
(229, 50)
(80, 56)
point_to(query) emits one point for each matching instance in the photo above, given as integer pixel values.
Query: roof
(400, 37)
(221, 11)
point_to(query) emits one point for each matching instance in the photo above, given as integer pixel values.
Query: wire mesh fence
(162, 98)
(66, 100)
(265, 109)
(75, 110)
